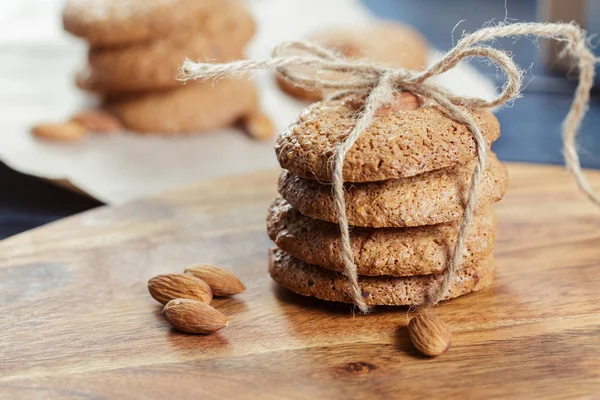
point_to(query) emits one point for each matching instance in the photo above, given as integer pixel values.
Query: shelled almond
(404, 101)
(187, 296)
(429, 334)
(60, 131)
(97, 121)
(258, 126)
(221, 281)
(164, 288)
(193, 316)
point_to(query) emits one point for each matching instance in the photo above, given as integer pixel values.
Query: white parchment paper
(37, 62)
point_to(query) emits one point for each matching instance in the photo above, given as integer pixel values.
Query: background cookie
(153, 65)
(431, 198)
(194, 107)
(386, 43)
(309, 280)
(115, 22)
(394, 146)
(385, 251)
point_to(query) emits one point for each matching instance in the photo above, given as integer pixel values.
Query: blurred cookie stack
(386, 43)
(136, 48)
(407, 181)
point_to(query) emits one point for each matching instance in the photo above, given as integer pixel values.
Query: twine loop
(324, 69)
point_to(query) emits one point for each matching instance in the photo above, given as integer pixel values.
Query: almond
(193, 316)
(404, 101)
(258, 126)
(349, 50)
(221, 281)
(64, 131)
(429, 334)
(97, 121)
(164, 288)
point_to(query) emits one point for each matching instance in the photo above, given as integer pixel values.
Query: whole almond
(429, 334)
(193, 316)
(64, 131)
(349, 50)
(258, 126)
(97, 121)
(221, 281)
(404, 101)
(164, 288)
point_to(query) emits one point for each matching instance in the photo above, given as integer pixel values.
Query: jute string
(381, 82)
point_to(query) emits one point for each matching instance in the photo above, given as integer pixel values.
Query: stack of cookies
(407, 179)
(387, 43)
(137, 46)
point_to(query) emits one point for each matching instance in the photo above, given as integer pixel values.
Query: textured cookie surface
(194, 107)
(310, 280)
(155, 65)
(388, 43)
(396, 145)
(427, 199)
(384, 251)
(117, 22)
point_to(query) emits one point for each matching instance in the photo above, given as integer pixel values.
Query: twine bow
(381, 82)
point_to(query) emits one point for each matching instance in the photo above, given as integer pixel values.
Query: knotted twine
(380, 83)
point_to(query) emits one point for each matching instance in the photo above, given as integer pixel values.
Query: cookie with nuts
(310, 280)
(403, 141)
(387, 251)
(387, 43)
(221, 36)
(112, 23)
(193, 108)
(431, 198)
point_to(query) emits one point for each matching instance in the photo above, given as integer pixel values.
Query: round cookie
(310, 280)
(110, 23)
(195, 107)
(387, 43)
(396, 145)
(386, 251)
(155, 65)
(427, 199)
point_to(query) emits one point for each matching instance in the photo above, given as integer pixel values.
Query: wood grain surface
(78, 323)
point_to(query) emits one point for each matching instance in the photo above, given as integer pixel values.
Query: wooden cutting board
(77, 321)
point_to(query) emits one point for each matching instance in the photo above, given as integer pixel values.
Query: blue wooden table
(530, 128)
